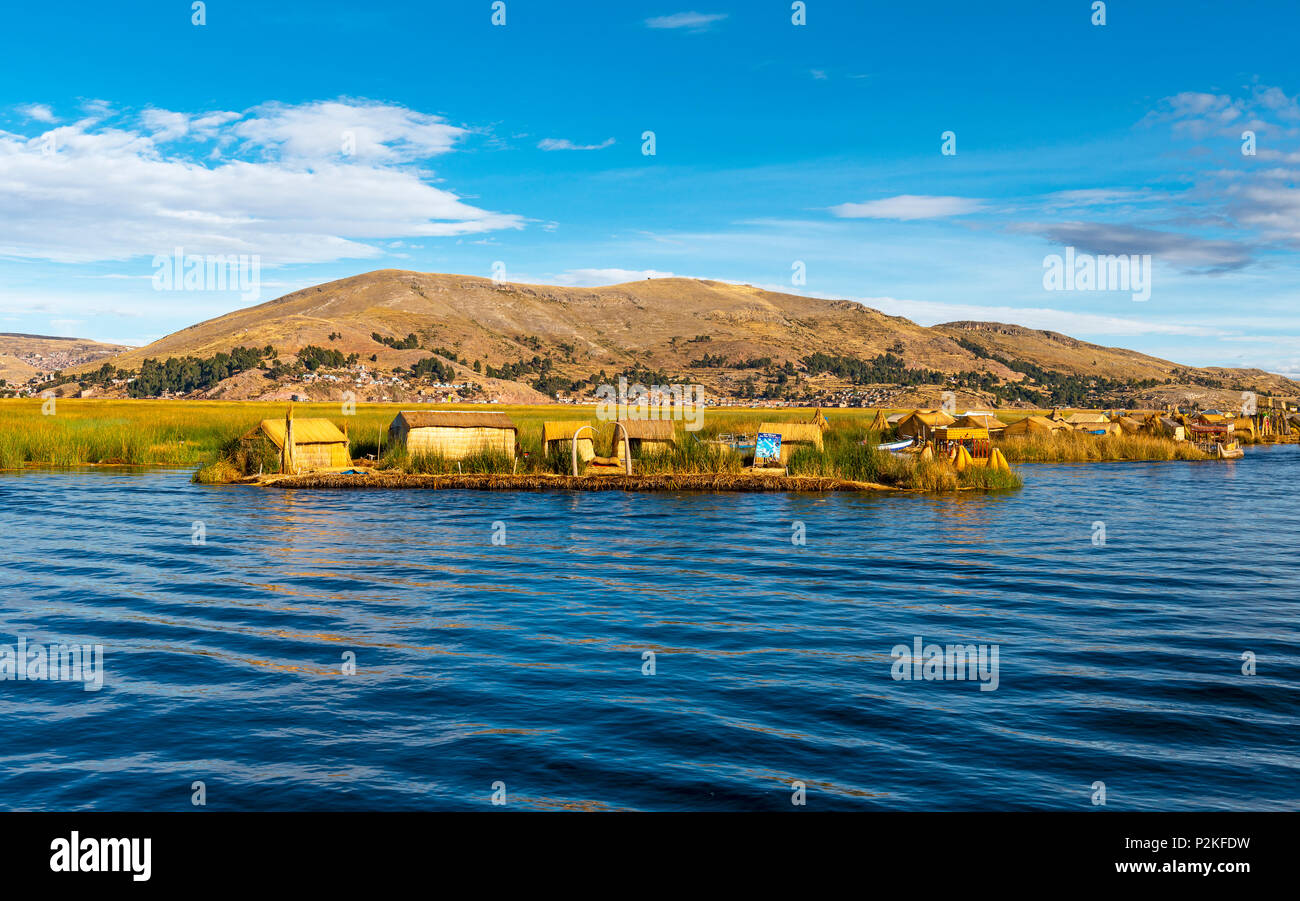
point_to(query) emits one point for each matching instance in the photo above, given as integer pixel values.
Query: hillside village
(414, 337)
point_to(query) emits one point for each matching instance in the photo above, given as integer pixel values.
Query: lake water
(522, 662)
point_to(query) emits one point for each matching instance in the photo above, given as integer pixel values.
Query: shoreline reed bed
(1076, 447)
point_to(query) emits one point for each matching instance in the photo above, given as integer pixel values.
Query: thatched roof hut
(1244, 425)
(794, 435)
(957, 433)
(878, 423)
(644, 436)
(317, 443)
(1169, 428)
(980, 421)
(1129, 425)
(1097, 428)
(920, 424)
(559, 435)
(1033, 425)
(453, 434)
(1086, 418)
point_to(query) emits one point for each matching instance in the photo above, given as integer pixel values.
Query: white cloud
(692, 20)
(908, 206)
(566, 144)
(588, 278)
(331, 130)
(38, 112)
(114, 192)
(925, 312)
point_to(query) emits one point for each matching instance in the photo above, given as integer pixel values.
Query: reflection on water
(523, 662)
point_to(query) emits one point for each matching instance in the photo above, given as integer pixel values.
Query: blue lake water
(522, 663)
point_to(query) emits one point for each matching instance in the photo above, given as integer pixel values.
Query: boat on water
(1230, 450)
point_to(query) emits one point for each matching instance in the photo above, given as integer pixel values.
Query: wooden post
(289, 465)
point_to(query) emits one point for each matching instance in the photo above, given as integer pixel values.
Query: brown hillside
(649, 324)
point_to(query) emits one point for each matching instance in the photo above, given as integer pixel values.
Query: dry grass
(1077, 447)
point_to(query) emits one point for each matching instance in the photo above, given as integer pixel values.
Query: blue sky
(334, 138)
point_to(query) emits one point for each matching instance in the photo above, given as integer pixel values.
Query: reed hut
(1129, 425)
(1169, 428)
(1033, 425)
(986, 421)
(1244, 425)
(644, 436)
(974, 439)
(559, 436)
(819, 419)
(314, 444)
(1083, 418)
(453, 434)
(920, 424)
(794, 435)
(879, 424)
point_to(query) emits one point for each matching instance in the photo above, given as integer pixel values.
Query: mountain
(732, 338)
(24, 357)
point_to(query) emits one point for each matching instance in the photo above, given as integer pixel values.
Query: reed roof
(1035, 424)
(305, 431)
(453, 419)
(648, 429)
(794, 431)
(1082, 418)
(561, 431)
(980, 421)
(931, 417)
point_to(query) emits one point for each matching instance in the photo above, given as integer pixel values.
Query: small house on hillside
(794, 435)
(644, 436)
(453, 434)
(316, 444)
(920, 424)
(559, 436)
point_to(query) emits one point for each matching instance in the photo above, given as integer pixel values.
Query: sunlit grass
(1077, 447)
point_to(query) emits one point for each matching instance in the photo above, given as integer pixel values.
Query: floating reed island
(917, 450)
(440, 449)
(243, 441)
